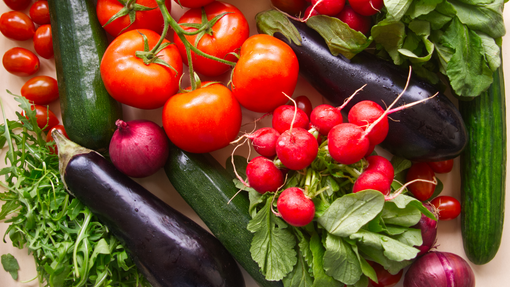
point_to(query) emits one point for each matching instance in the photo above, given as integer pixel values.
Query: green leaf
(421, 7)
(402, 201)
(411, 237)
(10, 265)
(321, 279)
(491, 50)
(486, 17)
(397, 8)
(392, 249)
(390, 35)
(340, 261)
(349, 213)
(300, 276)
(407, 216)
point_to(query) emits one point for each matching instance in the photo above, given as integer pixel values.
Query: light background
(449, 239)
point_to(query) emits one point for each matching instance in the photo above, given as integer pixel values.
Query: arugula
(69, 244)
(10, 265)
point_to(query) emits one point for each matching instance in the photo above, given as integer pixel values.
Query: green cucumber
(88, 111)
(208, 187)
(483, 172)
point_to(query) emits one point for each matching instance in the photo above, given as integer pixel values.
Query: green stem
(80, 237)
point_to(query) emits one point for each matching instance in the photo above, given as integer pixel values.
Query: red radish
(303, 103)
(309, 12)
(286, 116)
(263, 175)
(347, 143)
(324, 117)
(367, 7)
(297, 148)
(294, 207)
(364, 113)
(384, 277)
(372, 179)
(355, 20)
(264, 141)
(328, 7)
(382, 165)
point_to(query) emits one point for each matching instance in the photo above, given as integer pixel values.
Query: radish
(297, 148)
(295, 207)
(328, 7)
(263, 175)
(365, 113)
(264, 141)
(372, 179)
(324, 117)
(286, 116)
(367, 7)
(355, 20)
(382, 165)
(347, 143)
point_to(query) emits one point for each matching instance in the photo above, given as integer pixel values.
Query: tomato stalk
(130, 8)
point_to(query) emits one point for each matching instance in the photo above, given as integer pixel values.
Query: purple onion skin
(428, 229)
(439, 269)
(139, 148)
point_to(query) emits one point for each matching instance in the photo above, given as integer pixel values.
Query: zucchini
(88, 111)
(483, 172)
(168, 248)
(207, 187)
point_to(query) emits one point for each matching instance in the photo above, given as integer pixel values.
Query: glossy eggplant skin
(430, 131)
(169, 248)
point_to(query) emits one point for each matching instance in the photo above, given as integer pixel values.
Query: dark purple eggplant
(168, 248)
(430, 131)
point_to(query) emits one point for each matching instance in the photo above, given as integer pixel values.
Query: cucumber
(207, 187)
(88, 111)
(483, 172)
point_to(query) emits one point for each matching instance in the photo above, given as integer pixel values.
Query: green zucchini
(88, 111)
(483, 172)
(207, 187)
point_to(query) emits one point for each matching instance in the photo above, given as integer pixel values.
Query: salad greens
(69, 244)
(455, 38)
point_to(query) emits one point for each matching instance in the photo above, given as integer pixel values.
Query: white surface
(449, 239)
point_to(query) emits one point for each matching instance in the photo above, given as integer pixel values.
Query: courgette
(483, 172)
(208, 188)
(88, 111)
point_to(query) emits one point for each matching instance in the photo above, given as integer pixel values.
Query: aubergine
(168, 248)
(430, 131)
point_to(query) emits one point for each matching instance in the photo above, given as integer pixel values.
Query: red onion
(439, 269)
(138, 148)
(428, 229)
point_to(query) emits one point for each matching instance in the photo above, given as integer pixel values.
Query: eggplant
(168, 248)
(430, 131)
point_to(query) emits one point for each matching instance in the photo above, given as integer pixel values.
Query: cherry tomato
(39, 12)
(40, 90)
(292, 7)
(17, 4)
(203, 120)
(444, 166)
(49, 137)
(421, 190)
(193, 3)
(367, 7)
(43, 41)
(16, 25)
(149, 19)
(447, 207)
(20, 62)
(303, 103)
(225, 37)
(130, 81)
(265, 74)
(46, 119)
(384, 278)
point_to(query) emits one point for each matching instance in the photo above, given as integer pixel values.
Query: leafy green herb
(69, 244)
(10, 265)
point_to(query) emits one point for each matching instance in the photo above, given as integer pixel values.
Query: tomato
(40, 90)
(17, 4)
(203, 120)
(43, 41)
(444, 166)
(193, 3)
(266, 73)
(292, 7)
(224, 37)
(46, 119)
(49, 137)
(421, 190)
(384, 278)
(20, 62)
(150, 19)
(303, 103)
(40, 12)
(16, 25)
(447, 207)
(132, 82)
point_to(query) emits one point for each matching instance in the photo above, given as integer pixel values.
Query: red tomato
(132, 82)
(43, 41)
(226, 36)
(39, 12)
(17, 4)
(193, 3)
(421, 190)
(150, 19)
(384, 278)
(265, 74)
(49, 137)
(40, 90)
(16, 25)
(203, 120)
(444, 166)
(46, 119)
(304, 104)
(447, 207)
(20, 62)
(292, 7)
